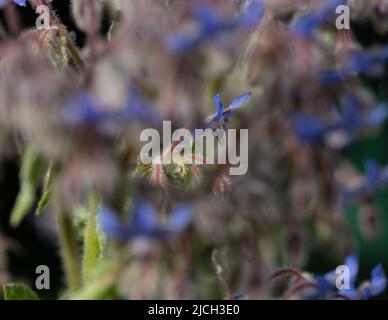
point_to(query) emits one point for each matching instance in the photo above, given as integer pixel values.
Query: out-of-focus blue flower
(136, 108)
(359, 63)
(374, 177)
(223, 114)
(376, 285)
(83, 110)
(145, 222)
(352, 263)
(211, 25)
(311, 129)
(326, 284)
(22, 3)
(308, 24)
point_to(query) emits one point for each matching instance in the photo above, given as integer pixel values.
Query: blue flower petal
(372, 174)
(308, 24)
(136, 108)
(180, 217)
(351, 119)
(253, 13)
(208, 17)
(111, 225)
(211, 25)
(219, 107)
(145, 218)
(350, 293)
(309, 129)
(324, 287)
(82, 109)
(181, 44)
(378, 281)
(22, 3)
(240, 101)
(331, 77)
(352, 263)
(377, 116)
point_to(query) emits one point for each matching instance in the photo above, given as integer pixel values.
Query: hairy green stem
(68, 249)
(92, 249)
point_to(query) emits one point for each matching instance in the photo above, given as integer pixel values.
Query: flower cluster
(330, 286)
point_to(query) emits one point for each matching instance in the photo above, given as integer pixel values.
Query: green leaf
(32, 166)
(30, 175)
(24, 202)
(18, 291)
(92, 246)
(47, 190)
(101, 285)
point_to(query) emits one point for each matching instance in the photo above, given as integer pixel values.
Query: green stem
(92, 248)
(68, 248)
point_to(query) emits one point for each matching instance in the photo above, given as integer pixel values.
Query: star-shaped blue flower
(326, 284)
(145, 222)
(222, 115)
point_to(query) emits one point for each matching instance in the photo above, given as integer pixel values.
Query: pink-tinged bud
(158, 177)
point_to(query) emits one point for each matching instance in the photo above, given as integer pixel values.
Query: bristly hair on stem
(69, 250)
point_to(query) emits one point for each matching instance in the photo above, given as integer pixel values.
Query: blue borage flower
(375, 286)
(312, 129)
(145, 222)
(211, 25)
(22, 3)
(222, 115)
(324, 286)
(307, 25)
(83, 110)
(359, 63)
(374, 178)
